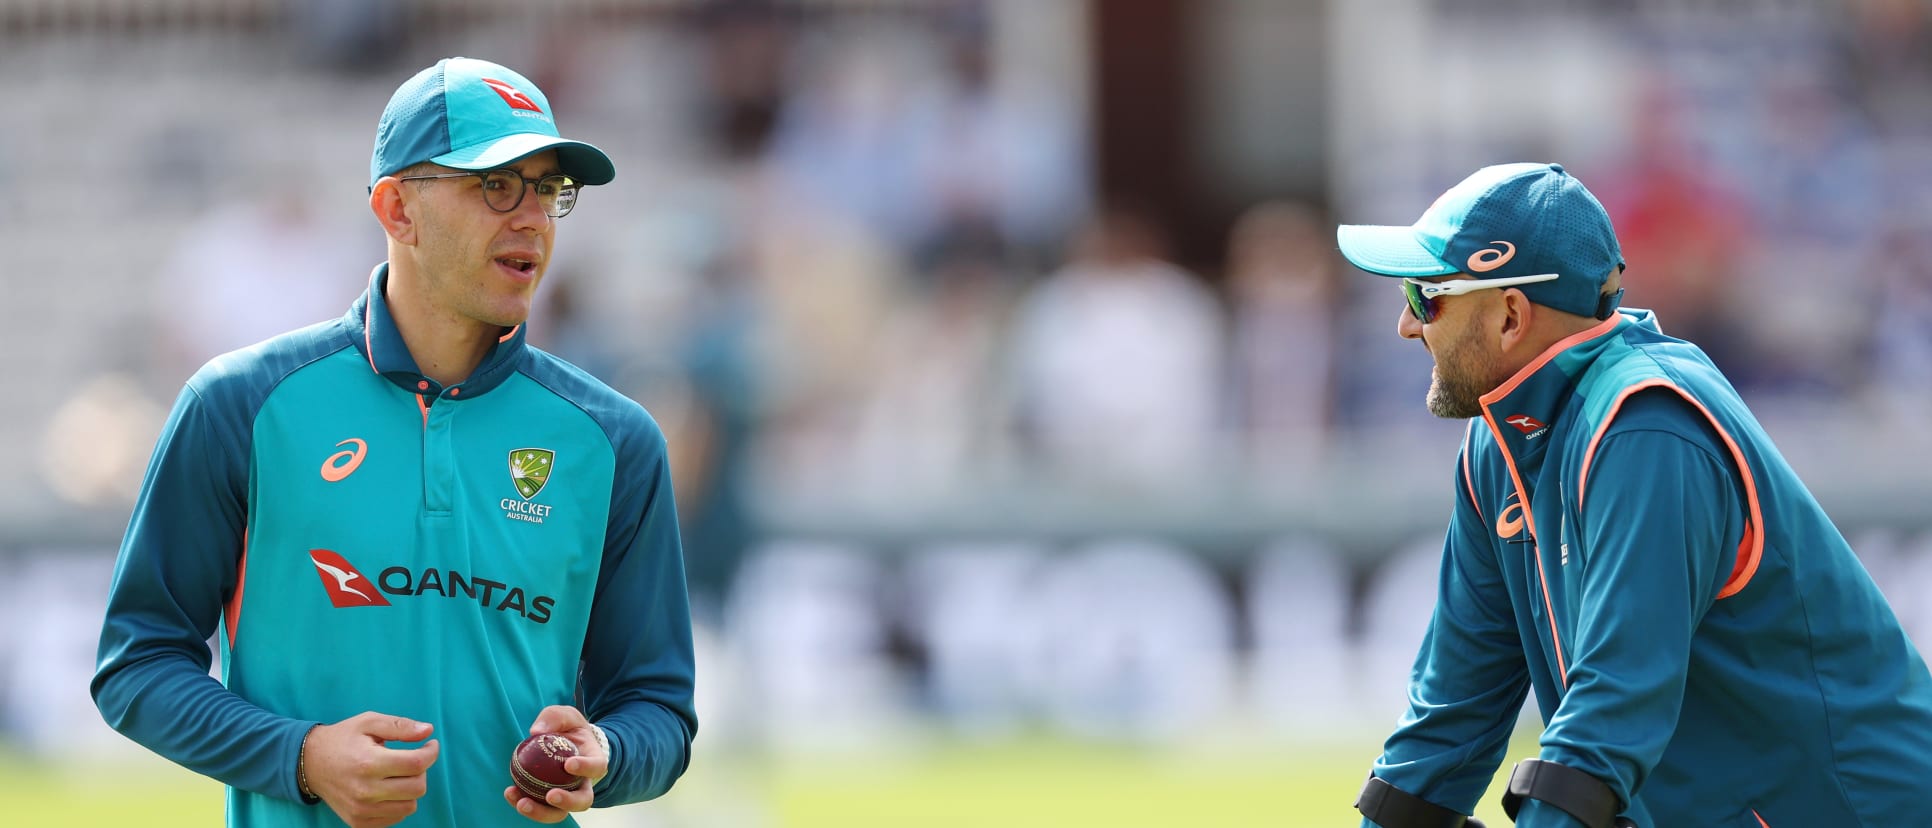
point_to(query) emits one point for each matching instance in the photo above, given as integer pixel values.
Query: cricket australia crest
(530, 469)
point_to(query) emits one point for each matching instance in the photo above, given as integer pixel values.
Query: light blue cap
(1505, 220)
(475, 115)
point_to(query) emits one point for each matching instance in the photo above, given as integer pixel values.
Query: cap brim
(1388, 251)
(575, 158)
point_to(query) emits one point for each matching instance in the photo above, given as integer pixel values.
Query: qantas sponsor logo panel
(346, 586)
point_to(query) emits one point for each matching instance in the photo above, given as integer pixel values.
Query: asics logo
(1510, 522)
(510, 95)
(1489, 258)
(345, 462)
(345, 585)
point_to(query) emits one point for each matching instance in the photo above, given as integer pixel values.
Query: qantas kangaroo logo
(1524, 423)
(345, 585)
(516, 99)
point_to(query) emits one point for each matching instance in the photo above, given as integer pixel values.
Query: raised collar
(1521, 411)
(374, 332)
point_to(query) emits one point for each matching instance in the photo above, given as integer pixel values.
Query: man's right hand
(366, 783)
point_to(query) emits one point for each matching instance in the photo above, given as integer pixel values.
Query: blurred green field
(1005, 784)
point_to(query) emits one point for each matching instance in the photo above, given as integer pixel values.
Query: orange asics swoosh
(1506, 526)
(334, 470)
(1489, 258)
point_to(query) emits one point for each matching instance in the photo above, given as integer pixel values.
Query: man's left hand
(591, 763)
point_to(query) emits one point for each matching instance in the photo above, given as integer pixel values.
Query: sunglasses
(1425, 298)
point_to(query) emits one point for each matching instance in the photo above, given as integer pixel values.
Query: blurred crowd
(861, 248)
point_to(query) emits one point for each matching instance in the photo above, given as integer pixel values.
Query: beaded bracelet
(301, 769)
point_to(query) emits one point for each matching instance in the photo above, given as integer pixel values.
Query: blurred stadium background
(1039, 463)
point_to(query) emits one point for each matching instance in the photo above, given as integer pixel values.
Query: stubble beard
(476, 294)
(1461, 377)
(458, 286)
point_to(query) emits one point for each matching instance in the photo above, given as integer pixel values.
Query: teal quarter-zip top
(363, 538)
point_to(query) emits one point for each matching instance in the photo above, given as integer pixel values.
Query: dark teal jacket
(1628, 543)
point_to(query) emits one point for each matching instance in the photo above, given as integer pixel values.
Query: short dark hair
(419, 168)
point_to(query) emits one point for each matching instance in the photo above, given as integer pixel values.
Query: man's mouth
(519, 265)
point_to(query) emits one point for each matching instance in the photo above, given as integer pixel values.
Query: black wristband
(1586, 798)
(1391, 807)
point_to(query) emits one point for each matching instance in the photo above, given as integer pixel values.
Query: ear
(393, 210)
(1517, 313)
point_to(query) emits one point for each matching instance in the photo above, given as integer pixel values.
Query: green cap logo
(530, 469)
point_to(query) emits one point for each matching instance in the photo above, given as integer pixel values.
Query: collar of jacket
(1523, 413)
(374, 332)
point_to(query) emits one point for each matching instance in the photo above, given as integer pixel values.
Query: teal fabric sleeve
(1469, 680)
(638, 673)
(177, 569)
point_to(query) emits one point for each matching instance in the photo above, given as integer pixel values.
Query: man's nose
(529, 214)
(1407, 326)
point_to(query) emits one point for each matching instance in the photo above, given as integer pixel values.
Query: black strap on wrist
(1391, 807)
(1584, 797)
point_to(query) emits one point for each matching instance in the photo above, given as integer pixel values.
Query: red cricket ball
(537, 766)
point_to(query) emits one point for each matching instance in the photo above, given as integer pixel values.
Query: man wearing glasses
(1704, 646)
(419, 538)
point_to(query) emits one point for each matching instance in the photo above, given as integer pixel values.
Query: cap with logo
(475, 115)
(1505, 220)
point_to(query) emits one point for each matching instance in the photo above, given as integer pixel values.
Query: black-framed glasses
(504, 189)
(1425, 297)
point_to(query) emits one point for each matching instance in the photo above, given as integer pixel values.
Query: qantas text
(449, 583)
